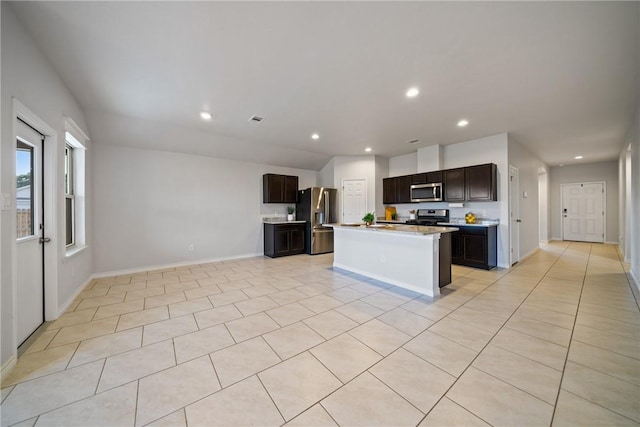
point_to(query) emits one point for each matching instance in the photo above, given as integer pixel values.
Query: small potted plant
(368, 218)
(290, 211)
(394, 216)
(412, 214)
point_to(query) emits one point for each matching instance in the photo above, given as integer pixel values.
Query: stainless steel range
(430, 217)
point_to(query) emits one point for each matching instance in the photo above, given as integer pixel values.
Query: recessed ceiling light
(413, 92)
(206, 115)
(462, 123)
(368, 149)
(315, 136)
(578, 157)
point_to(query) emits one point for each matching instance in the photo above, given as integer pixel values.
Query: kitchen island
(408, 256)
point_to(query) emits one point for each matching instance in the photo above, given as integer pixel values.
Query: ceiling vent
(256, 119)
(414, 141)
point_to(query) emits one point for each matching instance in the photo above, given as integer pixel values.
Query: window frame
(78, 141)
(69, 193)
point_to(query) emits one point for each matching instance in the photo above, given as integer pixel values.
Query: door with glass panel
(29, 231)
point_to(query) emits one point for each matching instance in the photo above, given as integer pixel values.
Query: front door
(354, 200)
(29, 229)
(583, 212)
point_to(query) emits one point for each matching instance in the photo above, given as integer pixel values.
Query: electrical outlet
(191, 247)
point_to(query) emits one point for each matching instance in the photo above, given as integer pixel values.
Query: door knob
(518, 220)
(45, 239)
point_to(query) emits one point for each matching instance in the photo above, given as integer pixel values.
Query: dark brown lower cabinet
(283, 239)
(475, 247)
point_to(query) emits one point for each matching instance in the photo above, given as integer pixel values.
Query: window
(74, 188)
(24, 190)
(69, 197)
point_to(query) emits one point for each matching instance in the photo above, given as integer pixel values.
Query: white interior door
(29, 224)
(354, 200)
(583, 212)
(514, 215)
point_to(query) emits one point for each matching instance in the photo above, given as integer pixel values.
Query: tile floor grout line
(271, 398)
(215, 371)
(135, 410)
(488, 342)
(607, 374)
(605, 348)
(575, 319)
(390, 387)
(603, 407)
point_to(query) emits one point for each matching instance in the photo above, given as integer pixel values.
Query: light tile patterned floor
(553, 341)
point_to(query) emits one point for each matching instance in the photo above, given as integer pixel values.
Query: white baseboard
(172, 265)
(529, 254)
(8, 366)
(635, 279)
(543, 242)
(69, 301)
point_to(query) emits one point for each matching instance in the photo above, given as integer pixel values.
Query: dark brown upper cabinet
(419, 178)
(388, 191)
(434, 177)
(481, 185)
(426, 178)
(472, 183)
(279, 188)
(453, 182)
(403, 189)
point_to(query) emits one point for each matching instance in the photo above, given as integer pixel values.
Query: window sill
(74, 251)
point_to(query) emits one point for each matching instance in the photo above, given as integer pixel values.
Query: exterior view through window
(24, 190)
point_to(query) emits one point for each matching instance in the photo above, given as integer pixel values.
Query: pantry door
(354, 200)
(583, 212)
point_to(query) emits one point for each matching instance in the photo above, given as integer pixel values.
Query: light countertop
(397, 228)
(457, 224)
(280, 221)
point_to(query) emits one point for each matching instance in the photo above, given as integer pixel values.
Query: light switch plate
(5, 201)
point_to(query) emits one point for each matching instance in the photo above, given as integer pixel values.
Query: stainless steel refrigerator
(317, 206)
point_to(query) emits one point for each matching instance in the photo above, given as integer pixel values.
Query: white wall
(406, 164)
(588, 172)
(543, 207)
(29, 77)
(382, 171)
(529, 167)
(633, 234)
(326, 175)
(431, 158)
(624, 202)
(151, 205)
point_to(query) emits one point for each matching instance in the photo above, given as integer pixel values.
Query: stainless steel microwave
(426, 192)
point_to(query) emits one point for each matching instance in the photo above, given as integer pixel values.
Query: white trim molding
(172, 265)
(8, 366)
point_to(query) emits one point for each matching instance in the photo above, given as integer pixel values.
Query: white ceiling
(561, 77)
